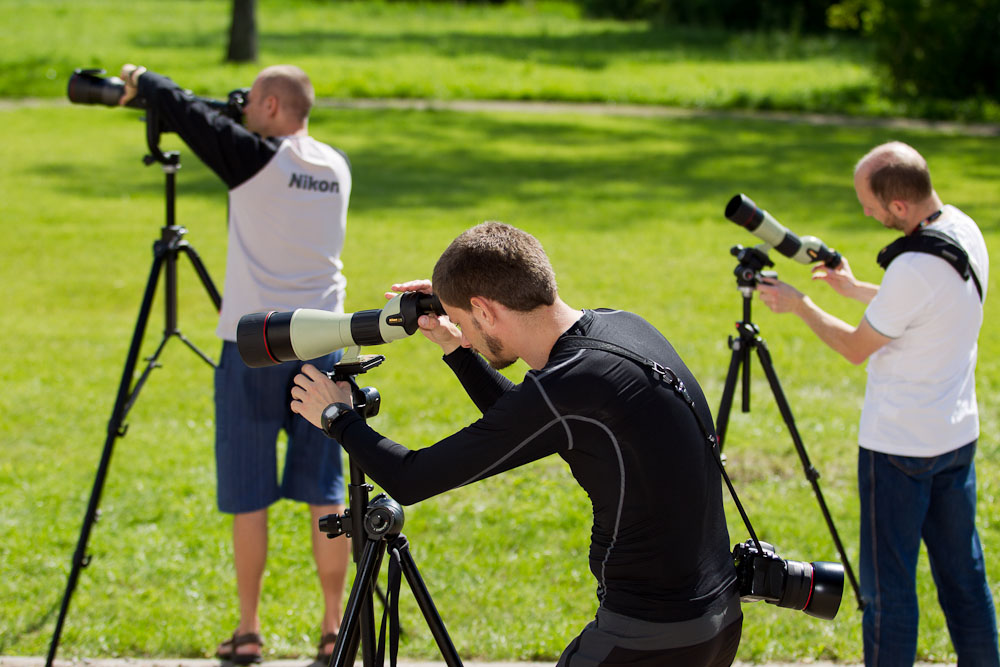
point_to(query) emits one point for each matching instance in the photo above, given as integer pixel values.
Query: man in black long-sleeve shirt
(288, 199)
(666, 584)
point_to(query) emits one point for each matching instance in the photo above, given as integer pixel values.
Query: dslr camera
(88, 86)
(815, 588)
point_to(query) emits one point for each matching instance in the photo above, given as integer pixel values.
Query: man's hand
(843, 282)
(840, 278)
(436, 329)
(779, 296)
(130, 75)
(314, 390)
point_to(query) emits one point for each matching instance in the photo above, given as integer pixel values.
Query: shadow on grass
(442, 159)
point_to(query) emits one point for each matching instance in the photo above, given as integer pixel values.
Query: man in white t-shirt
(920, 422)
(288, 200)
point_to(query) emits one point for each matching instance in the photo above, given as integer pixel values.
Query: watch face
(331, 413)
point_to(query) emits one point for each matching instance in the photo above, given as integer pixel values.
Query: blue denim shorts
(251, 409)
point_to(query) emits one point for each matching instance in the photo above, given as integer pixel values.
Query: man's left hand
(314, 390)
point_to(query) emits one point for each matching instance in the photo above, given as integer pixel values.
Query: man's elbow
(856, 357)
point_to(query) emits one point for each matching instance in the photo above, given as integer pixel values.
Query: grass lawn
(630, 210)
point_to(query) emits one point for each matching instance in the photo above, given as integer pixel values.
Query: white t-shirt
(286, 231)
(921, 394)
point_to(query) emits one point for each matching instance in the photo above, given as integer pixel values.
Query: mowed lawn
(631, 212)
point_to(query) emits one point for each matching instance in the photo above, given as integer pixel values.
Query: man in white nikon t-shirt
(288, 198)
(920, 422)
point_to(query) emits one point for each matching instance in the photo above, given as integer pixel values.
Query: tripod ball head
(384, 517)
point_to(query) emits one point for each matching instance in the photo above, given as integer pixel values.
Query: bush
(931, 48)
(800, 15)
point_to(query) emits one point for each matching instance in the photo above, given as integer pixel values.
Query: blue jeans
(903, 500)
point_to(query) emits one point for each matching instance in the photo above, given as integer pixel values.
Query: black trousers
(613, 640)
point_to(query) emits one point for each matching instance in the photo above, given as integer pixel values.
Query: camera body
(815, 588)
(88, 86)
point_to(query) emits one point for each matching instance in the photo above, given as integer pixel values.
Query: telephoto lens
(87, 86)
(815, 588)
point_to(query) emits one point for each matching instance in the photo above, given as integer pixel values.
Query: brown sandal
(328, 638)
(235, 642)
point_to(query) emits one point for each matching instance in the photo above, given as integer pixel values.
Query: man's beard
(894, 222)
(497, 361)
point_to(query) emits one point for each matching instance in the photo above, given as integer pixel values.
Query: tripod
(748, 272)
(165, 253)
(374, 528)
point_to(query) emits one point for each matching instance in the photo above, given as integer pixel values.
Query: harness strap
(932, 242)
(668, 376)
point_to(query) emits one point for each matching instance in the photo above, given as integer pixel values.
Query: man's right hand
(436, 329)
(130, 75)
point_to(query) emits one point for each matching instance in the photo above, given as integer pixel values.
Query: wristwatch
(331, 414)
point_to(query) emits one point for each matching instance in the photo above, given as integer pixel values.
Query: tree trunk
(243, 32)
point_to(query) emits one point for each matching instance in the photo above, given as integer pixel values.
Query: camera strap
(669, 377)
(932, 242)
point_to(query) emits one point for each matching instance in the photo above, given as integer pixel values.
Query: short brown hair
(896, 171)
(291, 86)
(498, 262)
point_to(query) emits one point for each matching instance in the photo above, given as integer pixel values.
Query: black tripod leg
(811, 473)
(122, 405)
(358, 614)
(726, 404)
(426, 604)
(202, 272)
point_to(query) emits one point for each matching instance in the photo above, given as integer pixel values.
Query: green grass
(532, 51)
(630, 210)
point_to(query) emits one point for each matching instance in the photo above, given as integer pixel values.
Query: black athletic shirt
(659, 543)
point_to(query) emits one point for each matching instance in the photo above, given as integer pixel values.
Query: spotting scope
(266, 339)
(757, 221)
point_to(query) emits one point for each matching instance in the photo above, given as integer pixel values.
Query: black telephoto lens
(86, 86)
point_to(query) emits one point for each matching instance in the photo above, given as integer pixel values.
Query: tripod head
(367, 400)
(751, 267)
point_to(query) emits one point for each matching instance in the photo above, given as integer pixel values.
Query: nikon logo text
(307, 182)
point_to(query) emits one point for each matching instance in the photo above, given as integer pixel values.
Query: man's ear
(485, 310)
(898, 208)
(272, 105)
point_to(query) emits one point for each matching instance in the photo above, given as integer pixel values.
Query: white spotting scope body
(760, 223)
(269, 338)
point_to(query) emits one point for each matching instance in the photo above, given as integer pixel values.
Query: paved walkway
(609, 109)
